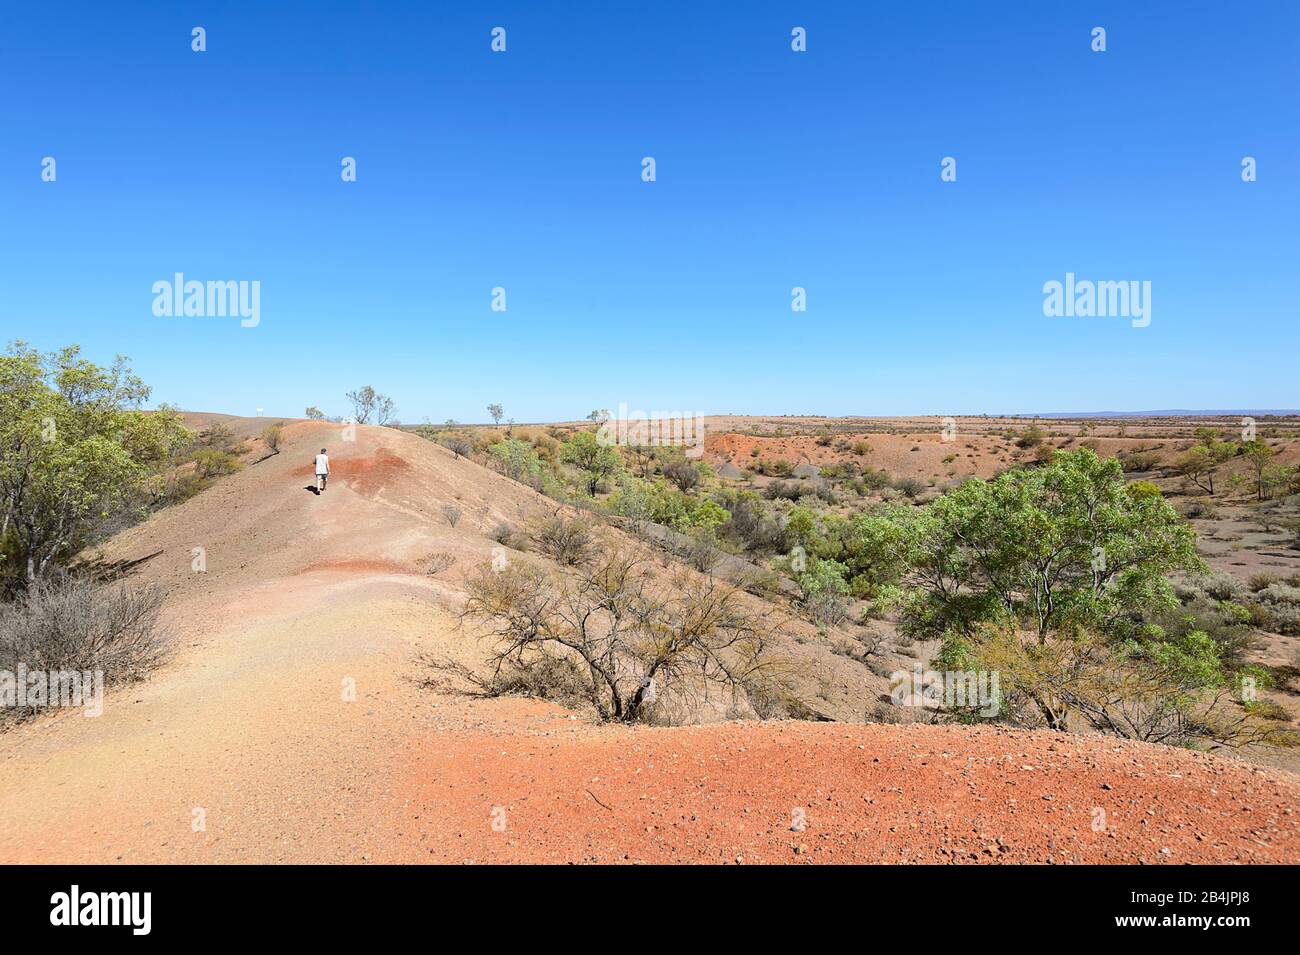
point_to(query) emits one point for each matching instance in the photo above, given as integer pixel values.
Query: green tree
(496, 411)
(1258, 455)
(597, 461)
(1197, 465)
(75, 450)
(1055, 561)
(517, 459)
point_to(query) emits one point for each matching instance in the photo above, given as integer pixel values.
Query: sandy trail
(250, 728)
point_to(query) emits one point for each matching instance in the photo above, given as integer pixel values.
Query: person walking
(322, 470)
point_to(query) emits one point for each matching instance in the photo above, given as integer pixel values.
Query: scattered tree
(1197, 465)
(682, 473)
(1258, 455)
(370, 407)
(597, 461)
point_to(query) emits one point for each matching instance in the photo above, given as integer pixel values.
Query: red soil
(366, 475)
(864, 793)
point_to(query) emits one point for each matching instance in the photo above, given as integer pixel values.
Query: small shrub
(70, 623)
(1031, 437)
(910, 487)
(1222, 587)
(452, 513)
(701, 552)
(1197, 508)
(209, 463)
(437, 562)
(682, 473)
(272, 436)
(458, 445)
(1280, 593)
(566, 541)
(789, 490)
(1142, 461)
(1260, 581)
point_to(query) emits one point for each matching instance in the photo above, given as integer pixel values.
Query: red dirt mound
(365, 475)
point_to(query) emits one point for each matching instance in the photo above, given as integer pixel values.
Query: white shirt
(322, 464)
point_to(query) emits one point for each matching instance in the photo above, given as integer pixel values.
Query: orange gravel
(793, 793)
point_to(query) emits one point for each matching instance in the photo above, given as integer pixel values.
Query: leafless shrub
(437, 562)
(826, 607)
(636, 644)
(567, 541)
(273, 436)
(683, 473)
(881, 667)
(544, 675)
(458, 445)
(700, 552)
(452, 513)
(70, 623)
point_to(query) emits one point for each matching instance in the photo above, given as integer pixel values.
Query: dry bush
(504, 534)
(543, 675)
(683, 473)
(1257, 582)
(701, 552)
(567, 541)
(273, 436)
(638, 645)
(452, 513)
(437, 562)
(459, 445)
(1222, 586)
(71, 623)
(1141, 461)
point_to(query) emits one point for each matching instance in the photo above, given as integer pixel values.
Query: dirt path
(251, 730)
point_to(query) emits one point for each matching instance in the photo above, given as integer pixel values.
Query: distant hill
(1166, 413)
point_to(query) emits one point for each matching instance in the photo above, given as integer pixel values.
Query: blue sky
(775, 169)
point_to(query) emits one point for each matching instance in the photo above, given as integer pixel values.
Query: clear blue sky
(775, 169)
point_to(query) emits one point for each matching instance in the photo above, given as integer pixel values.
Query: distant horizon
(1165, 413)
